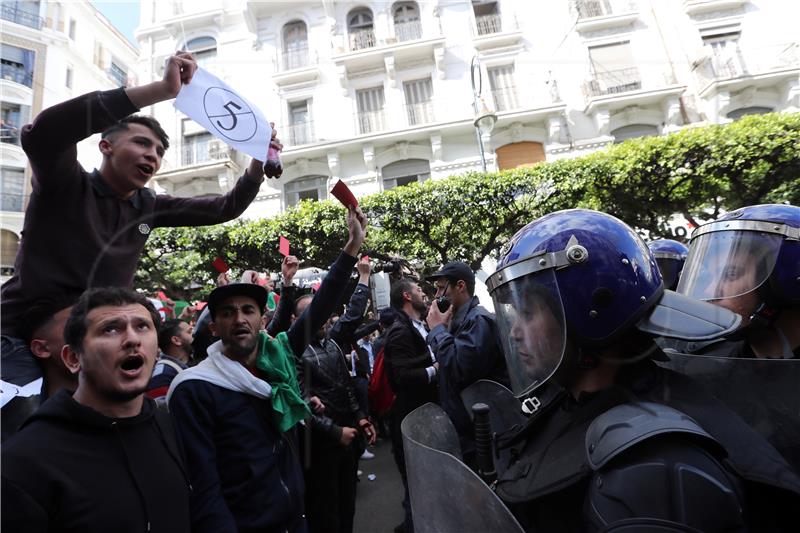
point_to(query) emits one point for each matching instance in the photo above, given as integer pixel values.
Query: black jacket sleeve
(282, 319)
(343, 332)
(406, 364)
(322, 305)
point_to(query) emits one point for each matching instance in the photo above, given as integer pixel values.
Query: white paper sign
(225, 114)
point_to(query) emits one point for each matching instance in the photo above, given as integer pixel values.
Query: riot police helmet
(748, 260)
(670, 256)
(584, 279)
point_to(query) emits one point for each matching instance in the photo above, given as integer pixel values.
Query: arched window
(204, 50)
(404, 172)
(9, 246)
(305, 188)
(632, 131)
(519, 154)
(743, 111)
(407, 26)
(360, 29)
(295, 45)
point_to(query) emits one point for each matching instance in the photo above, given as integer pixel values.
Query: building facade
(51, 51)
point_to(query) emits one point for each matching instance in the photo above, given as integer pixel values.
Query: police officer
(670, 256)
(748, 261)
(613, 441)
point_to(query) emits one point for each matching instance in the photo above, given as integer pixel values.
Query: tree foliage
(697, 172)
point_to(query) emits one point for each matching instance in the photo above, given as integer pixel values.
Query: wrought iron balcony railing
(12, 13)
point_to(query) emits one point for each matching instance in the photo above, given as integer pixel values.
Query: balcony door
(419, 106)
(370, 104)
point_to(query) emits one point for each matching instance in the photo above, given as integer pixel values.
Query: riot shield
(763, 392)
(446, 496)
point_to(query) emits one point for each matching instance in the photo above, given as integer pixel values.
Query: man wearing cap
(465, 341)
(236, 411)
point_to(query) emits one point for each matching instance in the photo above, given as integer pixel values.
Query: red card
(283, 247)
(343, 193)
(365, 257)
(220, 265)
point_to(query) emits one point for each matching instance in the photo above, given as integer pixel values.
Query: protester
(104, 458)
(175, 345)
(614, 441)
(331, 476)
(466, 343)
(235, 411)
(93, 225)
(748, 261)
(411, 368)
(34, 379)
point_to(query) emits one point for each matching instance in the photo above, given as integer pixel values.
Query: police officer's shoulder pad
(628, 425)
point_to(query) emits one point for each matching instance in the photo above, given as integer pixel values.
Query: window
(204, 50)
(295, 45)
(501, 81)
(407, 25)
(405, 172)
(197, 148)
(99, 55)
(614, 70)
(744, 111)
(370, 110)
(16, 64)
(632, 131)
(307, 188)
(726, 57)
(25, 12)
(68, 81)
(72, 29)
(12, 185)
(487, 17)
(117, 74)
(299, 123)
(360, 29)
(592, 8)
(9, 246)
(419, 107)
(12, 117)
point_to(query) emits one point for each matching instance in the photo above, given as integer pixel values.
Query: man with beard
(236, 411)
(102, 458)
(411, 367)
(334, 451)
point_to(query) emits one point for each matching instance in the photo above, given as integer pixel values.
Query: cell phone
(443, 303)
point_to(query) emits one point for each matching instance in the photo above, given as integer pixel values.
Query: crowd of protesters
(251, 413)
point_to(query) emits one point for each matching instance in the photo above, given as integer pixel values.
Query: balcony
(408, 31)
(17, 74)
(494, 31)
(298, 66)
(613, 82)
(295, 59)
(18, 16)
(361, 39)
(596, 15)
(117, 75)
(205, 151)
(698, 7)
(370, 122)
(734, 67)
(298, 134)
(420, 113)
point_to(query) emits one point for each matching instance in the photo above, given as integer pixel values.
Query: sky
(123, 14)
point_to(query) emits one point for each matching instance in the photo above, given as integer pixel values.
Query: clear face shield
(727, 264)
(530, 318)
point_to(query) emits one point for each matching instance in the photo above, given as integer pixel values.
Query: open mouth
(241, 332)
(147, 170)
(132, 363)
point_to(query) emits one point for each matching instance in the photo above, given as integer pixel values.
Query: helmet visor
(726, 264)
(670, 270)
(530, 318)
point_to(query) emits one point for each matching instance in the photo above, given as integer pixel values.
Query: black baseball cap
(455, 270)
(220, 294)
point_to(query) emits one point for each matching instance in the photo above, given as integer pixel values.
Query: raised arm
(343, 332)
(282, 319)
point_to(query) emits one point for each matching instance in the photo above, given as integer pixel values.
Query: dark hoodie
(73, 469)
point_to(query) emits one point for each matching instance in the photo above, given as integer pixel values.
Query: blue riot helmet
(579, 280)
(747, 261)
(670, 256)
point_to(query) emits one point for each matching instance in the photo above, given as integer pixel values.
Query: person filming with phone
(464, 338)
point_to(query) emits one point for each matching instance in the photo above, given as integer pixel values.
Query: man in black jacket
(331, 476)
(104, 458)
(411, 367)
(466, 343)
(230, 413)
